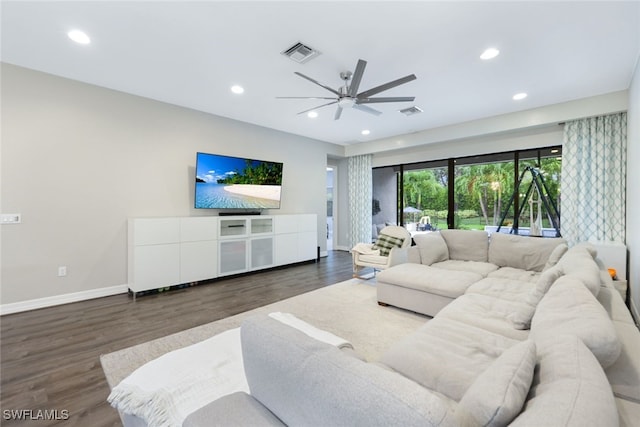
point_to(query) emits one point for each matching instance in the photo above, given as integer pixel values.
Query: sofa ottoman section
(421, 288)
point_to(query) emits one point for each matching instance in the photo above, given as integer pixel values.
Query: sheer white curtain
(593, 179)
(360, 196)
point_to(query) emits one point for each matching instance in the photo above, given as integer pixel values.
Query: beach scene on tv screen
(229, 182)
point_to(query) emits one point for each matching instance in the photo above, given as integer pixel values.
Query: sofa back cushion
(432, 247)
(496, 397)
(569, 388)
(579, 262)
(307, 382)
(555, 255)
(522, 314)
(467, 245)
(569, 308)
(526, 253)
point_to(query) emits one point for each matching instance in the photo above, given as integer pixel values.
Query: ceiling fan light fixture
(490, 53)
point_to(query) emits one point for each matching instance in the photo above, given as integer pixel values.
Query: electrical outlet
(62, 271)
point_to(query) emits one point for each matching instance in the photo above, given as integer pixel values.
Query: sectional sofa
(527, 332)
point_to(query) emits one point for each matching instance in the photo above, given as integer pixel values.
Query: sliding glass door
(474, 193)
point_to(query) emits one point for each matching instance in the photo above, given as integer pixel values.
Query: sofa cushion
(505, 289)
(578, 262)
(496, 397)
(237, 409)
(446, 355)
(569, 308)
(479, 267)
(527, 253)
(432, 247)
(307, 382)
(451, 284)
(486, 312)
(467, 245)
(385, 243)
(515, 274)
(373, 259)
(555, 255)
(569, 388)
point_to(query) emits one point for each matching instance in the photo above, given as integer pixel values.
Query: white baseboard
(17, 307)
(342, 248)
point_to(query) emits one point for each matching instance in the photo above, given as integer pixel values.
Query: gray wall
(633, 197)
(78, 160)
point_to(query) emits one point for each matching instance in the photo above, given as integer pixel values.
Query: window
(425, 195)
(483, 185)
(476, 192)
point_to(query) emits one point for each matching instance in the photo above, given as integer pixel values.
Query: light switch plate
(10, 218)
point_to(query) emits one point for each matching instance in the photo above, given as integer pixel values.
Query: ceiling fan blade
(338, 113)
(305, 97)
(357, 77)
(386, 86)
(320, 106)
(367, 109)
(318, 83)
(385, 99)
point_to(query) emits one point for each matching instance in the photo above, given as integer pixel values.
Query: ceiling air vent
(411, 111)
(300, 53)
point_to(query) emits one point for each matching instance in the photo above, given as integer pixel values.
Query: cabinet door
(285, 224)
(232, 256)
(261, 225)
(156, 266)
(307, 245)
(154, 231)
(261, 252)
(233, 228)
(195, 229)
(286, 248)
(198, 261)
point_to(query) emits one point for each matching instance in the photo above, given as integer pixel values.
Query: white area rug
(348, 309)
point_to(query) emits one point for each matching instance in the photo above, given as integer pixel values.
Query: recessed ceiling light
(237, 89)
(519, 96)
(312, 114)
(79, 36)
(490, 53)
(366, 132)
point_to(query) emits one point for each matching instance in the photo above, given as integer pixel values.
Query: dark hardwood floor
(50, 357)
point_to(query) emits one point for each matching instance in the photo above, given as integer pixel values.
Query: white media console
(166, 252)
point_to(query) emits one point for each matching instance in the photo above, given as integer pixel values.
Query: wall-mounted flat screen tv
(224, 182)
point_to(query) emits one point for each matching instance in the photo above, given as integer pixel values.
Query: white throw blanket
(166, 390)
(310, 330)
(365, 249)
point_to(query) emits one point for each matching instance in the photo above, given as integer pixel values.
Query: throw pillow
(432, 248)
(385, 243)
(555, 256)
(497, 396)
(521, 318)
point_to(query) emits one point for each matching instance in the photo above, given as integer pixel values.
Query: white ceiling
(190, 53)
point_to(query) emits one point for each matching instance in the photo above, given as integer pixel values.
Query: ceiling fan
(347, 96)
